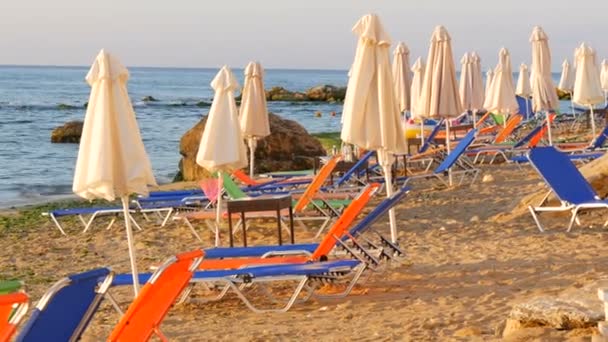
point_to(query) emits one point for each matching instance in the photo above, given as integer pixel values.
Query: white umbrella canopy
(253, 111)
(587, 86)
(604, 79)
(566, 81)
(489, 78)
(544, 96)
(523, 87)
(222, 148)
(466, 81)
(478, 91)
(501, 98)
(401, 76)
(371, 113)
(417, 79)
(112, 160)
(439, 96)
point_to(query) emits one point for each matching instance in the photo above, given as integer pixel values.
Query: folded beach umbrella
(604, 80)
(222, 148)
(523, 87)
(253, 112)
(544, 96)
(587, 86)
(478, 91)
(112, 161)
(371, 112)
(501, 98)
(439, 96)
(418, 77)
(489, 78)
(401, 76)
(466, 81)
(566, 81)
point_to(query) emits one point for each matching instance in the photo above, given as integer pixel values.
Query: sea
(36, 99)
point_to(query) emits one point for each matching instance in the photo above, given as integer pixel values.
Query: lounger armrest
(286, 253)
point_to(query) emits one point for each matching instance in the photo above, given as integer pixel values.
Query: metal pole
(134, 273)
(218, 211)
(447, 147)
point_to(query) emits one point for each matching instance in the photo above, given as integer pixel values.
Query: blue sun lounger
(566, 182)
(307, 276)
(451, 161)
(272, 250)
(66, 308)
(87, 215)
(429, 139)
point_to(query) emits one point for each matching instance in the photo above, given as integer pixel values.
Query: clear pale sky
(284, 33)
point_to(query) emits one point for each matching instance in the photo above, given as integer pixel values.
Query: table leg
(279, 227)
(244, 229)
(229, 228)
(293, 238)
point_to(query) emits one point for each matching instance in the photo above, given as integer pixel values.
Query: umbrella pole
(592, 121)
(252, 146)
(447, 147)
(548, 115)
(421, 132)
(388, 182)
(125, 208)
(218, 210)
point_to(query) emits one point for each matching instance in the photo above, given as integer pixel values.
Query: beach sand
(464, 271)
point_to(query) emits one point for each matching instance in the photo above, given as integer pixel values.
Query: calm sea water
(34, 100)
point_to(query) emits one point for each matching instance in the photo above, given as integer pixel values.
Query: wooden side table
(263, 203)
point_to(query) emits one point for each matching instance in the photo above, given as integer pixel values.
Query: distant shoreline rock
(320, 93)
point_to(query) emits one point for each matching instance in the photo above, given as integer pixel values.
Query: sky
(312, 34)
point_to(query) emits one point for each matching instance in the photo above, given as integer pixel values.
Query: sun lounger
(13, 307)
(273, 250)
(307, 276)
(157, 296)
(452, 160)
(566, 182)
(88, 215)
(66, 308)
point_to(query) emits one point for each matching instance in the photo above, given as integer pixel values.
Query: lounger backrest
(378, 212)
(524, 109)
(156, 297)
(64, 311)
(512, 123)
(7, 306)
(561, 175)
(232, 189)
(600, 139)
(498, 119)
(9, 286)
(451, 158)
(344, 221)
(539, 135)
(529, 136)
(431, 137)
(243, 177)
(313, 188)
(346, 176)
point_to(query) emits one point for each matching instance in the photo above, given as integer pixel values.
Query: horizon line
(162, 67)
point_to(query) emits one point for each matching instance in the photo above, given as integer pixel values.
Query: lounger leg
(194, 230)
(348, 289)
(135, 223)
(82, 220)
(58, 225)
(574, 217)
(111, 223)
(534, 215)
(89, 222)
(169, 213)
(160, 335)
(285, 308)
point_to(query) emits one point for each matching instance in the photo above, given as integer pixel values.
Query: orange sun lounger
(11, 315)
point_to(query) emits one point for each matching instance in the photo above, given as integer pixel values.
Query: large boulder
(70, 132)
(282, 94)
(288, 147)
(327, 93)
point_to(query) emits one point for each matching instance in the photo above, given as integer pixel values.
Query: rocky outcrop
(282, 94)
(328, 93)
(574, 308)
(70, 132)
(149, 98)
(562, 95)
(288, 147)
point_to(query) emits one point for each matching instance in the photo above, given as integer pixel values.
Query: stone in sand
(70, 132)
(288, 147)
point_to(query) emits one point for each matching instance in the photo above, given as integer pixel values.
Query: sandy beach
(464, 271)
